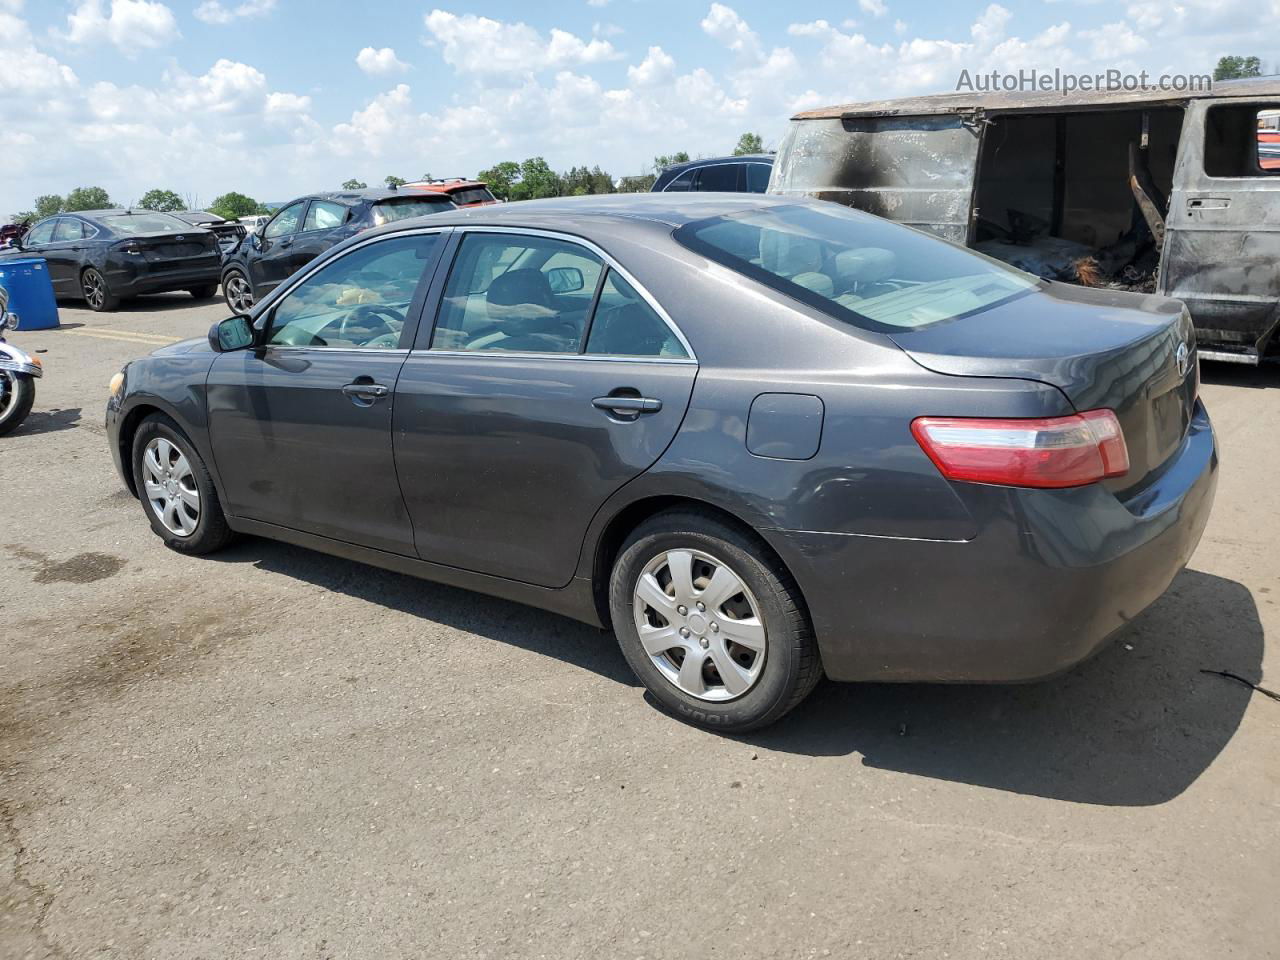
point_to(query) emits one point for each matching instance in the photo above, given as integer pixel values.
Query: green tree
(537, 180)
(748, 143)
(579, 181)
(46, 206)
(87, 198)
(233, 206)
(661, 163)
(1237, 68)
(354, 184)
(500, 178)
(391, 180)
(165, 201)
(638, 184)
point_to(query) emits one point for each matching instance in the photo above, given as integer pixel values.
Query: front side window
(1242, 140)
(40, 233)
(855, 267)
(285, 222)
(515, 292)
(324, 215)
(359, 301)
(624, 325)
(68, 229)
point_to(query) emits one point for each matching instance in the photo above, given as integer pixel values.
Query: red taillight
(1056, 452)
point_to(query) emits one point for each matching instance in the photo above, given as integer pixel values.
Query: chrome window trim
(683, 173)
(534, 355)
(611, 263)
(363, 351)
(282, 291)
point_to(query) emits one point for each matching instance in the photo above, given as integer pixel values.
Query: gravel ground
(271, 753)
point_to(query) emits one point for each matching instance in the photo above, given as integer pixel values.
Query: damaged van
(1176, 193)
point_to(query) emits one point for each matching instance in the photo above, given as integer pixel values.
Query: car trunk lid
(173, 250)
(1104, 349)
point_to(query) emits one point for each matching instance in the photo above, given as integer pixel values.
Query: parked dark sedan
(762, 439)
(745, 174)
(305, 228)
(104, 256)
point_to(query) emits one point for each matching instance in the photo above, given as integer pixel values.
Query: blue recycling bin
(30, 292)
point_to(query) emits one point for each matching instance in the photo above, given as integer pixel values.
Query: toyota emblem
(1183, 358)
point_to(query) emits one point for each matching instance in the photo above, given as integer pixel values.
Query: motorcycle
(18, 373)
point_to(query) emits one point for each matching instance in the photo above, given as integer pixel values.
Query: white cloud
(1114, 41)
(597, 3)
(657, 67)
(876, 8)
(479, 45)
(213, 11)
(128, 24)
(381, 61)
(26, 70)
(723, 24)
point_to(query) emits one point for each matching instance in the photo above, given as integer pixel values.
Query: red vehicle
(10, 233)
(465, 193)
(1269, 149)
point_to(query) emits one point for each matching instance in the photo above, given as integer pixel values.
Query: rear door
(274, 258)
(301, 425)
(536, 398)
(1222, 239)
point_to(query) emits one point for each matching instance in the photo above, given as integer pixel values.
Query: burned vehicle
(1155, 191)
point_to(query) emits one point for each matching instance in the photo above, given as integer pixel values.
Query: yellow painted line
(154, 339)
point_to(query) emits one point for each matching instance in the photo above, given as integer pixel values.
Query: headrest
(787, 254)
(819, 283)
(518, 287)
(865, 265)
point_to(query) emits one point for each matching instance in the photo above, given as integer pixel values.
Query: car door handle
(627, 404)
(1208, 203)
(365, 391)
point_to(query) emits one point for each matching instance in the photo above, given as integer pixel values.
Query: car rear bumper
(130, 280)
(1051, 575)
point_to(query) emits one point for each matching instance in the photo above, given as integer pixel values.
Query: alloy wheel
(239, 293)
(170, 486)
(95, 288)
(700, 625)
(8, 393)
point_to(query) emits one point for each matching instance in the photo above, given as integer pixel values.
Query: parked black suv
(304, 228)
(747, 174)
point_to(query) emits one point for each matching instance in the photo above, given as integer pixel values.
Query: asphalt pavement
(272, 753)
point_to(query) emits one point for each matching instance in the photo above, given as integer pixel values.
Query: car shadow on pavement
(49, 421)
(162, 302)
(511, 623)
(1134, 726)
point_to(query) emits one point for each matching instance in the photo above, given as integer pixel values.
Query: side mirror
(565, 280)
(233, 333)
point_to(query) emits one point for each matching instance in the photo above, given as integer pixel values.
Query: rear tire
(204, 293)
(17, 394)
(96, 293)
(176, 490)
(744, 622)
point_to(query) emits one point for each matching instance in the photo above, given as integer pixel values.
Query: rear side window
(721, 178)
(758, 177)
(681, 183)
(324, 215)
(68, 230)
(388, 211)
(625, 325)
(857, 268)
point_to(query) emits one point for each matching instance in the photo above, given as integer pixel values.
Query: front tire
(176, 490)
(205, 292)
(17, 394)
(237, 291)
(711, 623)
(93, 286)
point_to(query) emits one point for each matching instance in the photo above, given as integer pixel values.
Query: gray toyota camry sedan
(763, 440)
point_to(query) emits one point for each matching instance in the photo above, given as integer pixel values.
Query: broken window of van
(1078, 197)
(1240, 140)
(915, 170)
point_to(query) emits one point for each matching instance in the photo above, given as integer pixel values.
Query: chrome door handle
(366, 391)
(627, 404)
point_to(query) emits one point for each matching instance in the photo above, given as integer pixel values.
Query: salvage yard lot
(273, 753)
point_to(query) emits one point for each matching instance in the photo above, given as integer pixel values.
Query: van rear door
(1223, 228)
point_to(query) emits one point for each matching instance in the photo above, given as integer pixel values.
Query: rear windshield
(858, 268)
(135, 223)
(402, 208)
(471, 195)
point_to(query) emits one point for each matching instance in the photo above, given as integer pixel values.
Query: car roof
(370, 194)
(644, 210)
(711, 161)
(945, 103)
(446, 186)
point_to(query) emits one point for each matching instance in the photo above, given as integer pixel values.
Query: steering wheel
(359, 317)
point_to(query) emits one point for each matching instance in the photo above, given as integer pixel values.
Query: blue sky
(279, 97)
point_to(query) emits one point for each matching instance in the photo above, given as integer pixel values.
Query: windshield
(136, 223)
(389, 211)
(856, 267)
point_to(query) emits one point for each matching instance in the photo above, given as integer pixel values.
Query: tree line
(229, 206)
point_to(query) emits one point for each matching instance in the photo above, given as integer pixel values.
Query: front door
(274, 258)
(1223, 229)
(63, 256)
(549, 382)
(301, 424)
(320, 230)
